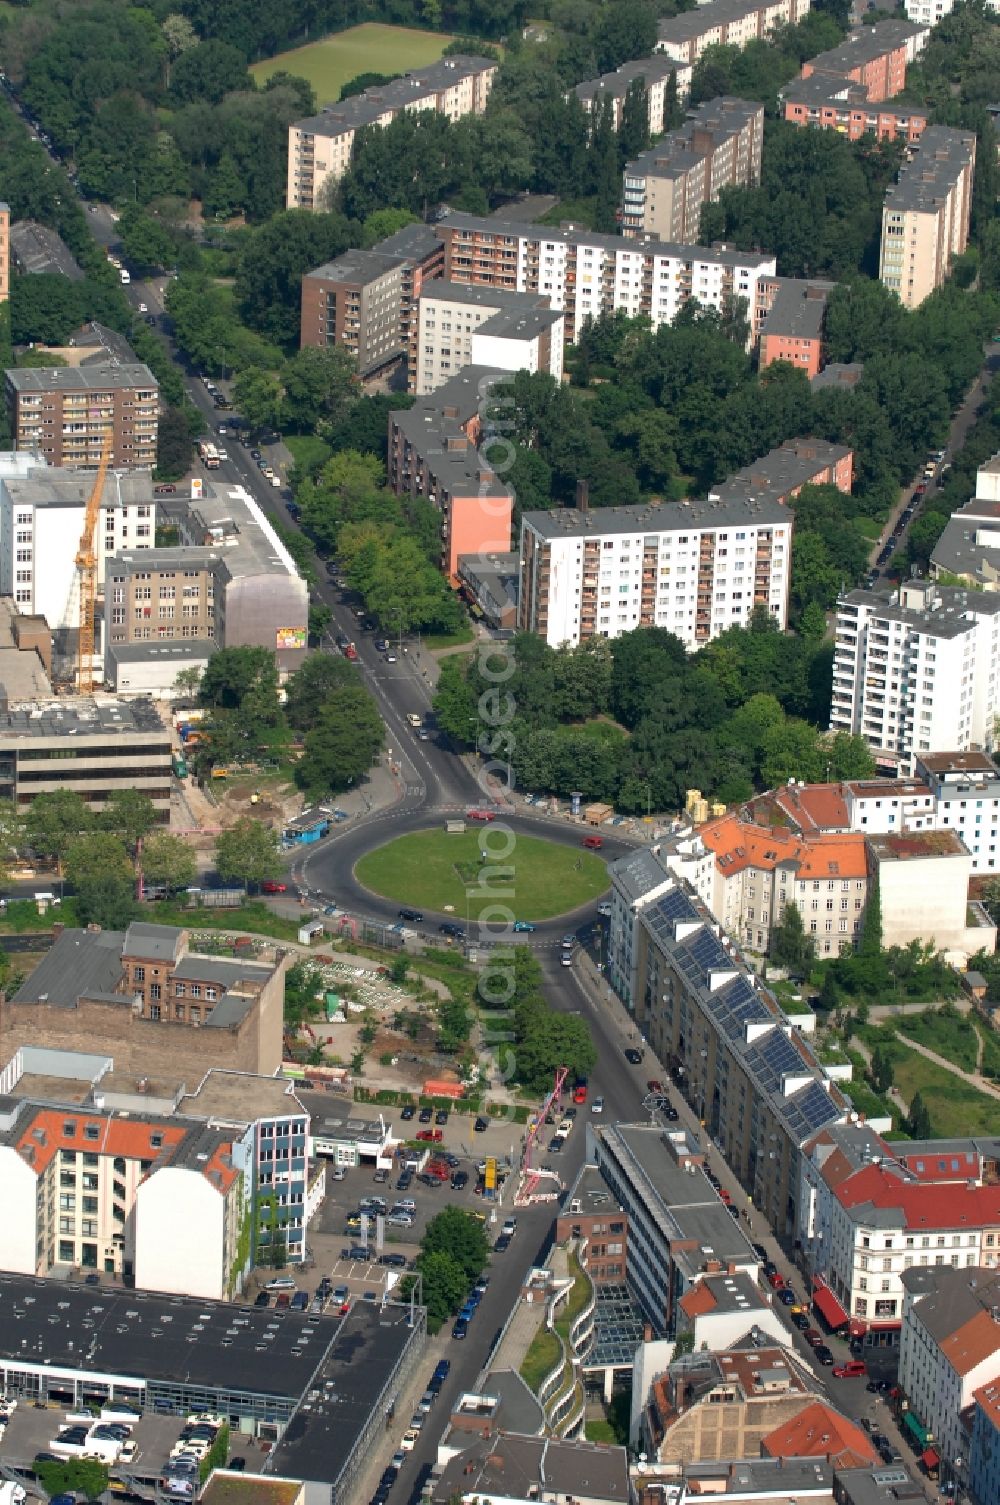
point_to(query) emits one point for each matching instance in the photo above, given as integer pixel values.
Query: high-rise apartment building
(65, 412)
(718, 146)
(650, 74)
(459, 325)
(725, 23)
(365, 300)
(925, 217)
(694, 567)
(930, 12)
(584, 274)
(917, 670)
(320, 148)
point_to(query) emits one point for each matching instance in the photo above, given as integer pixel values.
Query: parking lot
(32, 1429)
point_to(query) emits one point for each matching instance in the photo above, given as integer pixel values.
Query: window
(140, 974)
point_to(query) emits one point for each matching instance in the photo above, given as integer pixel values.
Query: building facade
(95, 746)
(459, 325)
(930, 12)
(66, 412)
(916, 670)
(875, 57)
(983, 1467)
(584, 274)
(834, 104)
(42, 516)
(788, 322)
(433, 452)
(925, 217)
(718, 146)
(725, 23)
(4, 251)
(320, 148)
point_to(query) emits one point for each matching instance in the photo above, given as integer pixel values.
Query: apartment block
(984, 1450)
(930, 12)
(916, 670)
(679, 1232)
(969, 548)
(433, 452)
(875, 57)
(230, 583)
(746, 1070)
(162, 1011)
(66, 412)
(366, 300)
(158, 1201)
(949, 1349)
(584, 274)
(320, 148)
(925, 217)
(460, 325)
(718, 146)
(4, 251)
(725, 23)
(42, 513)
(835, 104)
(650, 74)
(789, 321)
(95, 746)
(923, 879)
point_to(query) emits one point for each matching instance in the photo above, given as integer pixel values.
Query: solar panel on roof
(772, 1058)
(809, 1110)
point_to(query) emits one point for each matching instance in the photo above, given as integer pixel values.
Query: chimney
(583, 496)
(57, 929)
(647, 1332)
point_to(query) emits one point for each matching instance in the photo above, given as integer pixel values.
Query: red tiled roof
(973, 1343)
(815, 807)
(820, 1432)
(922, 1206)
(698, 1301)
(131, 1138)
(988, 1396)
(740, 844)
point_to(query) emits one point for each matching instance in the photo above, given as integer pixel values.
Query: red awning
(829, 1307)
(929, 1458)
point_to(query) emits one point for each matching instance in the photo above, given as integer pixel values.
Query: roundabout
(536, 878)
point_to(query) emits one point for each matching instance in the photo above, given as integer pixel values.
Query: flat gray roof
(649, 70)
(569, 522)
(398, 94)
(970, 541)
(948, 620)
(90, 377)
(931, 170)
(153, 942)
(434, 424)
(79, 963)
(798, 309)
(838, 374)
(80, 717)
(36, 248)
(443, 289)
(152, 653)
(678, 150)
(694, 23)
(576, 235)
(865, 45)
(52, 486)
(519, 1467)
(358, 266)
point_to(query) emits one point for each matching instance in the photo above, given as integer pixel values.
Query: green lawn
(599, 1431)
(437, 640)
(371, 48)
(541, 1358)
(956, 1108)
(945, 1031)
(431, 870)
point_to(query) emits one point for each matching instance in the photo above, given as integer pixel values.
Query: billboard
(290, 637)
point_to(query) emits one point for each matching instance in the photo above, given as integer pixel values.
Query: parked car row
(470, 1307)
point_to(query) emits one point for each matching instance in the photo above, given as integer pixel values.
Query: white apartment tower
(917, 670)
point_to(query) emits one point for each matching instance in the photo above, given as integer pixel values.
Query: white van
(125, 276)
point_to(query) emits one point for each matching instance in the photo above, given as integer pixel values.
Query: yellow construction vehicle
(86, 564)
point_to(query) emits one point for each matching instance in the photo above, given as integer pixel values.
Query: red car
(270, 887)
(580, 1093)
(854, 1369)
(484, 815)
(430, 1136)
(776, 1281)
(653, 1085)
(813, 1336)
(593, 843)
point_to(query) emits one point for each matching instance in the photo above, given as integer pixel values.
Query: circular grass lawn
(536, 879)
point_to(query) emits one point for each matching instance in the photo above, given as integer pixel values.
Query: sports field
(431, 870)
(372, 48)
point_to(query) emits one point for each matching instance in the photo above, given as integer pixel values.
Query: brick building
(143, 997)
(875, 57)
(65, 412)
(718, 146)
(836, 104)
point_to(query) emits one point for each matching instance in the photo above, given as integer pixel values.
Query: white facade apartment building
(584, 274)
(320, 148)
(651, 74)
(696, 568)
(725, 23)
(930, 12)
(461, 325)
(917, 670)
(949, 1347)
(41, 520)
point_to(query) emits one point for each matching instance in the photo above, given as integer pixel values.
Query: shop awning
(929, 1458)
(829, 1307)
(913, 1424)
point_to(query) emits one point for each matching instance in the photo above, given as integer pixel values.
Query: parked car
(524, 927)
(430, 1136)
(813, 1336)
(854, 1369)
(481, 1125)
(461, 1328)
(459, 1180)
(425, 1115)
(415, 916)
(593, 843)
(823, 1354)
(407, 1113)
(281, 1283)
(270, 886)
(633, 1055)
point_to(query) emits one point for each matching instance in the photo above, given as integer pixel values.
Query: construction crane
(86, 564)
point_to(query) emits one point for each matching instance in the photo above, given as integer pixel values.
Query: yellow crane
(86, 564)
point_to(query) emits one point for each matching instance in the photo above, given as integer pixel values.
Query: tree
(98, 854)
(45, 308)
(259, 397)
(443, 1286)
(180, 36)
(319, 386)
(870, 944)
(455, 704)
(309, 688)
(55, 820)
(84, 1476)
(342, 743)
(247, 853)
(882, 1071)
(168, 860)
(106, 899)
(129, 814)
(207, 72)
(235, 676)
(173, 445)
(918, 1123)
(459, 1235)
(272, 261)
(146, 243)
(790, 945)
